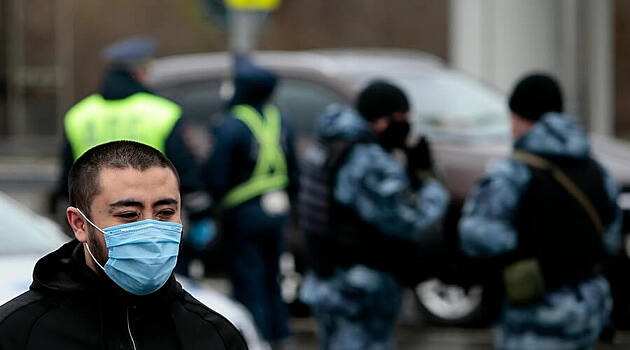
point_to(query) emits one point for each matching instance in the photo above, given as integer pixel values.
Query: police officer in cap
(124, 109)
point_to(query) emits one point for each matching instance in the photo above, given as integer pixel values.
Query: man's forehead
(129, 171)
(153, 182)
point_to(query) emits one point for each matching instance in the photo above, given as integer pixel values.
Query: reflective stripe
(270, 172)
(142, 117)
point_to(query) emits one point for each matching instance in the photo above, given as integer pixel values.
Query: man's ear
(78, 223)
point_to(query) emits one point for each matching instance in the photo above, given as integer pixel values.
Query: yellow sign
(255, 5)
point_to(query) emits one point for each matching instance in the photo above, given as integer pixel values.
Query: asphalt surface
(412, 336)
(412, 331)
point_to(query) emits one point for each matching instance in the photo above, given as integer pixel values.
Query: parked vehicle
(466, 122)
(26, 237)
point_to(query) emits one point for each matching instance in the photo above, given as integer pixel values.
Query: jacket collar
(65, 271)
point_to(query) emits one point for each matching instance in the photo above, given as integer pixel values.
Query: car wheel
(450, 305)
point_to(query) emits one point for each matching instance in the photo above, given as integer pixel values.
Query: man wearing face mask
(360, 211)
(112, 287)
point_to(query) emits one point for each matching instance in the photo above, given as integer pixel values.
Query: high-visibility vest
(270, 172)
(141, 117)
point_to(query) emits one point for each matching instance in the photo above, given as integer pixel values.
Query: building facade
(50, 48)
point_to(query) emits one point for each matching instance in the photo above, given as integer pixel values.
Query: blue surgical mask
(142, 254)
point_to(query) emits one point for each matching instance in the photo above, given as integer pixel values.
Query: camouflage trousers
(337, 332)
(570, 318)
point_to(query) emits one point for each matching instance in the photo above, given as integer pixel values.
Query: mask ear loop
(87, 245)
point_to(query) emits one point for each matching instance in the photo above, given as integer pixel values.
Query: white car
(26, 237)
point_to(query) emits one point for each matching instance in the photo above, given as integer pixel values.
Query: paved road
(413, 332)
(412, 336)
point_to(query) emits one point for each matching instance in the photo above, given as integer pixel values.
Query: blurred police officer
(361, 211)
(124, 109)
(112, 287)
(547, 216)
(252, 173)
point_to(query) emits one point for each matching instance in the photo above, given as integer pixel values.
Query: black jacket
(70, 307)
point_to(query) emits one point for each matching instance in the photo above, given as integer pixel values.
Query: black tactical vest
(316, 202)
(335, 235)
(555, 228)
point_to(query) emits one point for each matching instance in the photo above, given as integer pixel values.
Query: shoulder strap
(541, 163)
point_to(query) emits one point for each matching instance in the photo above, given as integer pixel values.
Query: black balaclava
(381, 99)
(535, 95)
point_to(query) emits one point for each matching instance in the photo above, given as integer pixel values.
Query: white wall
(600, 66)
(500, 40)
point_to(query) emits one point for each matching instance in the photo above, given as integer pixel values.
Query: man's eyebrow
(127, 203)
(165, 201)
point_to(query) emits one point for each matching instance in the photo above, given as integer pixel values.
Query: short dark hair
(83, 181)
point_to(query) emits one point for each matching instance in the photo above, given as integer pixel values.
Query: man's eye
(130, 215)
(168, 212)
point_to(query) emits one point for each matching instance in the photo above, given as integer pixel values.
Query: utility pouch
(524, 282)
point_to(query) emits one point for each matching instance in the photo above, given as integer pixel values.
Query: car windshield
(455, 105)
(24, 232)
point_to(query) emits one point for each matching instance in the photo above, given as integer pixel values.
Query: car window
(457, 105)
(301, 102)
(200, 100)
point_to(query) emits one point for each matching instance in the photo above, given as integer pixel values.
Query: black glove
(419, 162)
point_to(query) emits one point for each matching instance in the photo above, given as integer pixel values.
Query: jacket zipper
(133, 343)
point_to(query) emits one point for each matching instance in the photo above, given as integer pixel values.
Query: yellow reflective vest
(270, 173)
(141, 117)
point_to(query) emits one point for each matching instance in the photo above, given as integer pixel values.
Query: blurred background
(50, 59)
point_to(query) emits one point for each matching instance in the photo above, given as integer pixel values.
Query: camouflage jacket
(377, 188)
(570, 317)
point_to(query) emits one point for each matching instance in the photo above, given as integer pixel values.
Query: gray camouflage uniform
(571, 317)
(356, 308)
